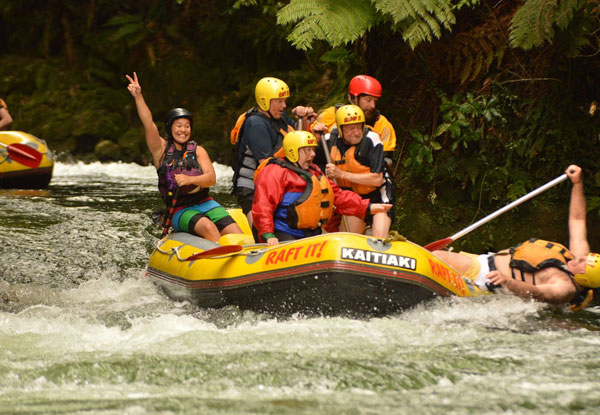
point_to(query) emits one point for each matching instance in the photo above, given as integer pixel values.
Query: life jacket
(180, 162)
(347, 162)
(311, 209)
(3, 104)
(536, 254)
(278, 154)
(235, 132)
(244, 165)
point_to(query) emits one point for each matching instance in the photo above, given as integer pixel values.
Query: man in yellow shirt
(364, 91)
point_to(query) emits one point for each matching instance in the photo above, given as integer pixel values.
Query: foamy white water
(83, 331)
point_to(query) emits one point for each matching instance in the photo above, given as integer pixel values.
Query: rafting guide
(542, 270)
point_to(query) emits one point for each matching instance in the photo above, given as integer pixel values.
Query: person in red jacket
(293, 197)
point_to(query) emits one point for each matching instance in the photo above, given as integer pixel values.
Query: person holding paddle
(293, 197)
(185, 172)
(541, 270)
(5, 118)
(355, 160)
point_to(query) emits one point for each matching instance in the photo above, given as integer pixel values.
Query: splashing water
(82, 330)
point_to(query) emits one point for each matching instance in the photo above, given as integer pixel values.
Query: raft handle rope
(176, 249)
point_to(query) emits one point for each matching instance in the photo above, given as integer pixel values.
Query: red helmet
(364, 84)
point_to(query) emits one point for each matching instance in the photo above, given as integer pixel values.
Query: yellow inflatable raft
(329, 274)
(25, 161)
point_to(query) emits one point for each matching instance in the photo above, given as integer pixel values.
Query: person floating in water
(542, 270)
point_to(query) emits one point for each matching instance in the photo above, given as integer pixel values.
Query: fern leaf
(419, 20)
(534, 23)
(336, 21)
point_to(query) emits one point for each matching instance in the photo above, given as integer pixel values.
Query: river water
(83, 331)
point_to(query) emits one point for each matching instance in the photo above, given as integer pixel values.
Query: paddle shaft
(169, 217)
(508, 207)
(328, 158)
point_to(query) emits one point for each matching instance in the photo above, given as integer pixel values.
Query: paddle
(219, 250)
(167, 224)
(24, 154)
(328, 158)
(442, 243)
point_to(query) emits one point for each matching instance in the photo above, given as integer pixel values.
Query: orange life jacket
(234, 135)
(314, 208)
(235, 132)
(536, 254)
(278, 154)
(348, 162)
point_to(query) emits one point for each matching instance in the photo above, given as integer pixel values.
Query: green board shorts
(184, 220)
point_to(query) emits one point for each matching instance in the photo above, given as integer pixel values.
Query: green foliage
(342, 21)
(420, 154)
(336, 21)
(538, 21)
(463, 132)
(419, 20)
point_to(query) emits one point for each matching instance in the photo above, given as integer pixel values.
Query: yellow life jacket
(347, 162)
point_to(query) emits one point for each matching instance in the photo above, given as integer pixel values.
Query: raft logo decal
(295, 252)
(446, 274)
(379, 258)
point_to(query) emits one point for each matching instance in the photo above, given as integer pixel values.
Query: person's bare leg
(207, 229)
(461, 263)
(231, 228)
(381, 225)
(355, 224)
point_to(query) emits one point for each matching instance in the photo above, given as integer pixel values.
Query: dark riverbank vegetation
(489, 99)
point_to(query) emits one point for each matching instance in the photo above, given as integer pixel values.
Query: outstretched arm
(557, 291)
(578, 243)
(154, 141)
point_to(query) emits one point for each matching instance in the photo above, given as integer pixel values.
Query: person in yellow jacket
(364, 91)
(542, 270)
(5, 118)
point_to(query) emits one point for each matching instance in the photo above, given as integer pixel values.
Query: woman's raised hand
(134, 86)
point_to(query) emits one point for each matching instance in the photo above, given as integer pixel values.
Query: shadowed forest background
(489, 99)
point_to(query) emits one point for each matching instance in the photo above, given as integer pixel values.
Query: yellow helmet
(348, 114)
(295, 140)
(270, 88)
(591, 277)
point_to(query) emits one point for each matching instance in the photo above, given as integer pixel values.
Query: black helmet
(174, 114)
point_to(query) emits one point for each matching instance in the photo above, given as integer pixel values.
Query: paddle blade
(27, 156)
(219, 250)
(441, 244)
